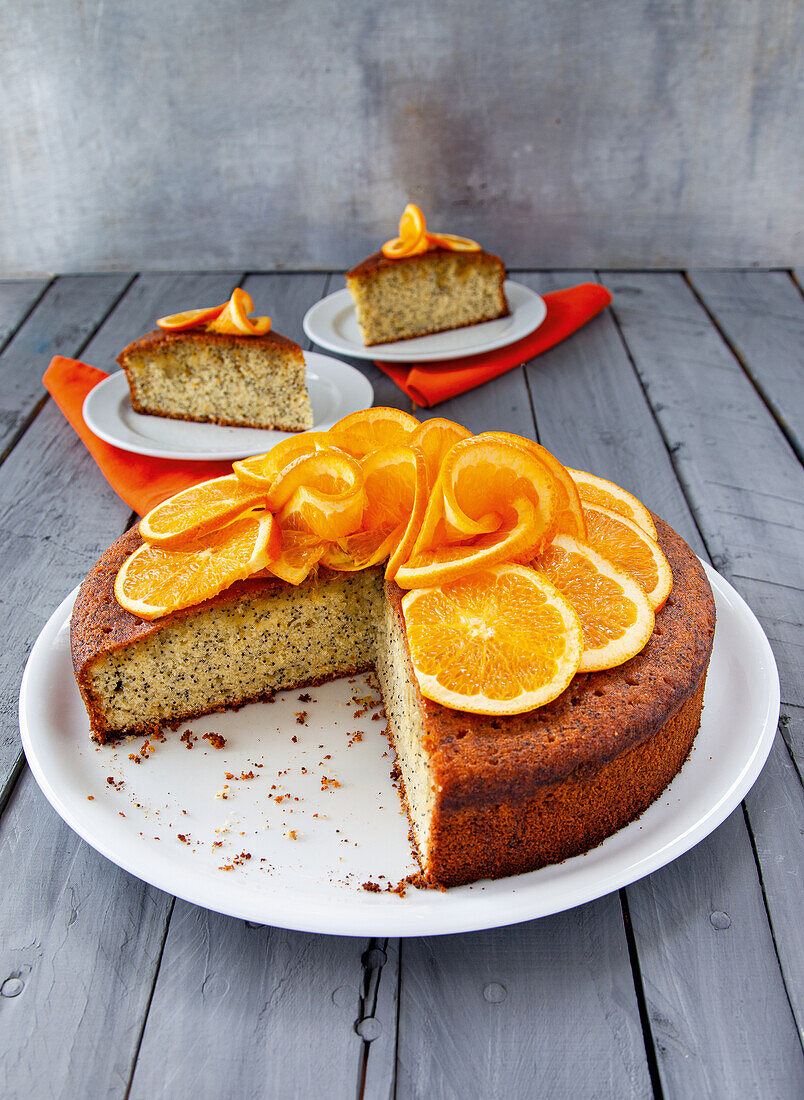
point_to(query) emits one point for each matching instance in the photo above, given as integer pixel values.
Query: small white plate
(349, 834)
(332, 324)
(335, 389)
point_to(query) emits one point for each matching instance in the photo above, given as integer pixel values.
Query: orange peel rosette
(414, 239)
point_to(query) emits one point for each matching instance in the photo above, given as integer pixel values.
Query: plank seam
(769, 917)
(157, 968)
(759, 389)
(784, 722)
(648, 1038)
(12, 781)
(15, 329)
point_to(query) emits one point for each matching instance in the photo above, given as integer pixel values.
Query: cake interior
(247, 383)
(235, 651)
(431, 293)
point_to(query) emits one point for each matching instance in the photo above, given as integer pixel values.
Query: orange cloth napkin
(567, 310)
(140, 481)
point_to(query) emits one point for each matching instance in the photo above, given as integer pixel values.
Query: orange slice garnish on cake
(501, 641)
(492, 502)
(197, 510)
(569, 520)
(362, 432)
(321, 493)
(414, 239)
(261, 470)
(434, 438)
(190, 318)
(299, 554)
(615, 614)
(234, 320)
(605, 494)
(626, 545)
(154, 581)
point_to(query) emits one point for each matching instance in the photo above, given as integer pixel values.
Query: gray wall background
(170, 134)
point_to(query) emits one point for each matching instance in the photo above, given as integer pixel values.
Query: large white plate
(335, 389)
(332, 324)
(353, 833)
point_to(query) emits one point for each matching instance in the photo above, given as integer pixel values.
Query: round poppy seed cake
(486, 796)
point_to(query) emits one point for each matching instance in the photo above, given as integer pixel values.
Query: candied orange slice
(190, 318)
(261, 470)
(492, 502)
(365, 431)
(412, 238)
(570, 519)
(233, 319)
(299, 553)
(615, 614)
(597, 491)
(626, 545)
(501, 641)
(154, 581)
(197, 510)
(434, 438)
(321, 493)
(452, 242)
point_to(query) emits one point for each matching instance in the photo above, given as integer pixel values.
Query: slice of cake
(216, 366)
(421, 283)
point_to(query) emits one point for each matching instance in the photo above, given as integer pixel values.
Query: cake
(486, 796)
(219, 366)
(426, 283)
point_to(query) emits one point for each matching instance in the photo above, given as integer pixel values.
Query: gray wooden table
(690, 983)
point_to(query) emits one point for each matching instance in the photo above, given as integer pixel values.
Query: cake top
(519, 572)
(377, 261)
(160, 338)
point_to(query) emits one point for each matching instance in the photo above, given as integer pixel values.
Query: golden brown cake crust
(377, 262)
(157, 338)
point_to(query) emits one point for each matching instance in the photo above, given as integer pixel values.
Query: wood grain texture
(761, 314)
(624, 134)
(17, 296)
(61, 323)
(379, 1078)
(79, 945)
(776, 810)
(719, 1014)
(243, 1010)
(743, 480)
(539, 1009)
(592, 411)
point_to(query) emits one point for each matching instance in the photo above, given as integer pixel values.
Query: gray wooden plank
(242, 1010)
(63, 319)
(501, 1013)
(592, 412)
(16, 298)
(286, 299)
(791, 725)
(738, 470)
(761, 314)
(776, 809)
(79, 944)
(379, 1077)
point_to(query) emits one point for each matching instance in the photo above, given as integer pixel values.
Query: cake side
(427, 293)
(242, 381)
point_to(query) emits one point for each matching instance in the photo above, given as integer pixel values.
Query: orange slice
(412, 238)
(321, 493)
(154, 581)
(234, 320)
(492, 502)
(615, 614)
(596, 490)
(502, 641)
(298, 555)
(434, 438)
(452, 242)
(570, 519)
(197, 510)
(362, 432)
(626, 545)
(261, 470)
(191, 318)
